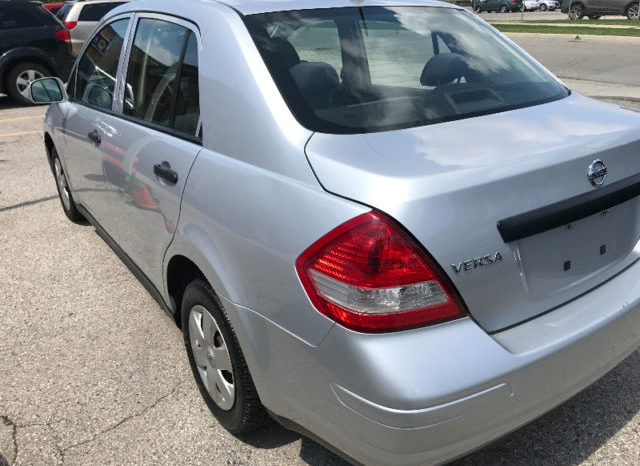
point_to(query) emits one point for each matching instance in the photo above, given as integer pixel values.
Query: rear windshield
(358, 70)
(95, 12)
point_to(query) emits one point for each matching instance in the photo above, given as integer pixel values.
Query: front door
(91, 96)
(155, 139)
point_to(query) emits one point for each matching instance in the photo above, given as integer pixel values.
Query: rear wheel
(633, 12)
(504, 9)
(576, 11)
(217, 362)
(66, 198)
(21, 76)
(543, 7)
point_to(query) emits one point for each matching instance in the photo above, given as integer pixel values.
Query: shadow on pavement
(572, 432)
(7, 103)
(3, 461)
(273, 435)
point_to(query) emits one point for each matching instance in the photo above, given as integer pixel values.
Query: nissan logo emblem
(597, 172)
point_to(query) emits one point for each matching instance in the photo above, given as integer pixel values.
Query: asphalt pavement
(93, 372)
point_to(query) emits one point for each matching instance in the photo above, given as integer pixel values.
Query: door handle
(163, 171)
(94, 137)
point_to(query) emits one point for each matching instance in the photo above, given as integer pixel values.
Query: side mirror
(47, 91)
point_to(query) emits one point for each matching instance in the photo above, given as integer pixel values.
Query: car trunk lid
(503, 202)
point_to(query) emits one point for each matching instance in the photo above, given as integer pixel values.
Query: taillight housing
(64, 36)
(70, 24)
(369, 275)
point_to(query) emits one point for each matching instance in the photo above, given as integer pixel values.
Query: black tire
(543, 7)
(70, 209)
(247, 413)
(15, 86)
(504, 9)
(477, 9)
(633, 12)
(576, 11)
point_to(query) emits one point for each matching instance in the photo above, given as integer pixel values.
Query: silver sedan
(384, 225)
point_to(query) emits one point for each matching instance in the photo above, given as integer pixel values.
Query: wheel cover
(24, 79)
(63, 187)
(211, 355)
(634, 12)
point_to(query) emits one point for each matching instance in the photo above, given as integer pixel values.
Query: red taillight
(70, 24)
(64, 36)
(369, 275)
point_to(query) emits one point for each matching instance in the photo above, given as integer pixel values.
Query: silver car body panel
(252, 203)
(250, 7)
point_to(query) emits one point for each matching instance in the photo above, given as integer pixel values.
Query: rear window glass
(61, 14)
(356, 70)
(95, 12)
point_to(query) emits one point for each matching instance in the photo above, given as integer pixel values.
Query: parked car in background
(502, 6)
(52, 7)
(356, 214)
(550, 5)
(594, 9)
(81, 17)
(530, 5)
(33, 44)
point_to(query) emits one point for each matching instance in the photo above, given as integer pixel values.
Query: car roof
(248, 7)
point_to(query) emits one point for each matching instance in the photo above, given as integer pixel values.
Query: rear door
(154, 140)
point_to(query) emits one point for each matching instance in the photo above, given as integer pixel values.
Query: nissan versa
(379, 222)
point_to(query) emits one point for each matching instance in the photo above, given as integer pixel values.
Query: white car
(530, 5)
(80, 18)
(550, 5)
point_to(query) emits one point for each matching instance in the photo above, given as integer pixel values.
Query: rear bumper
(429, 395)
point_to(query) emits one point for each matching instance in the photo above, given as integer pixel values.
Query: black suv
(594, 9)
(33, 44)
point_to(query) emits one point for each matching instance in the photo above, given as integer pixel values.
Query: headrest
(443, 69)
(314, 76)
(285, 51)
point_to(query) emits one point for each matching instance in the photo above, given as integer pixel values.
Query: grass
(574, 30)
(590, 22)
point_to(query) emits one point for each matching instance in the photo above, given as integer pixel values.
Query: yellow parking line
(22, 118)
(20, 133)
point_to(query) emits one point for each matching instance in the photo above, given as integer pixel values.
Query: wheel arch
(49, 145)
(14, 57)
(179, 273)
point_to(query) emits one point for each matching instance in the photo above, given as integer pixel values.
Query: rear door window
(95, 12)
(96, 75)
(162, 76)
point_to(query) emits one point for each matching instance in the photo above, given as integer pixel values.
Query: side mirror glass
(47, 91)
